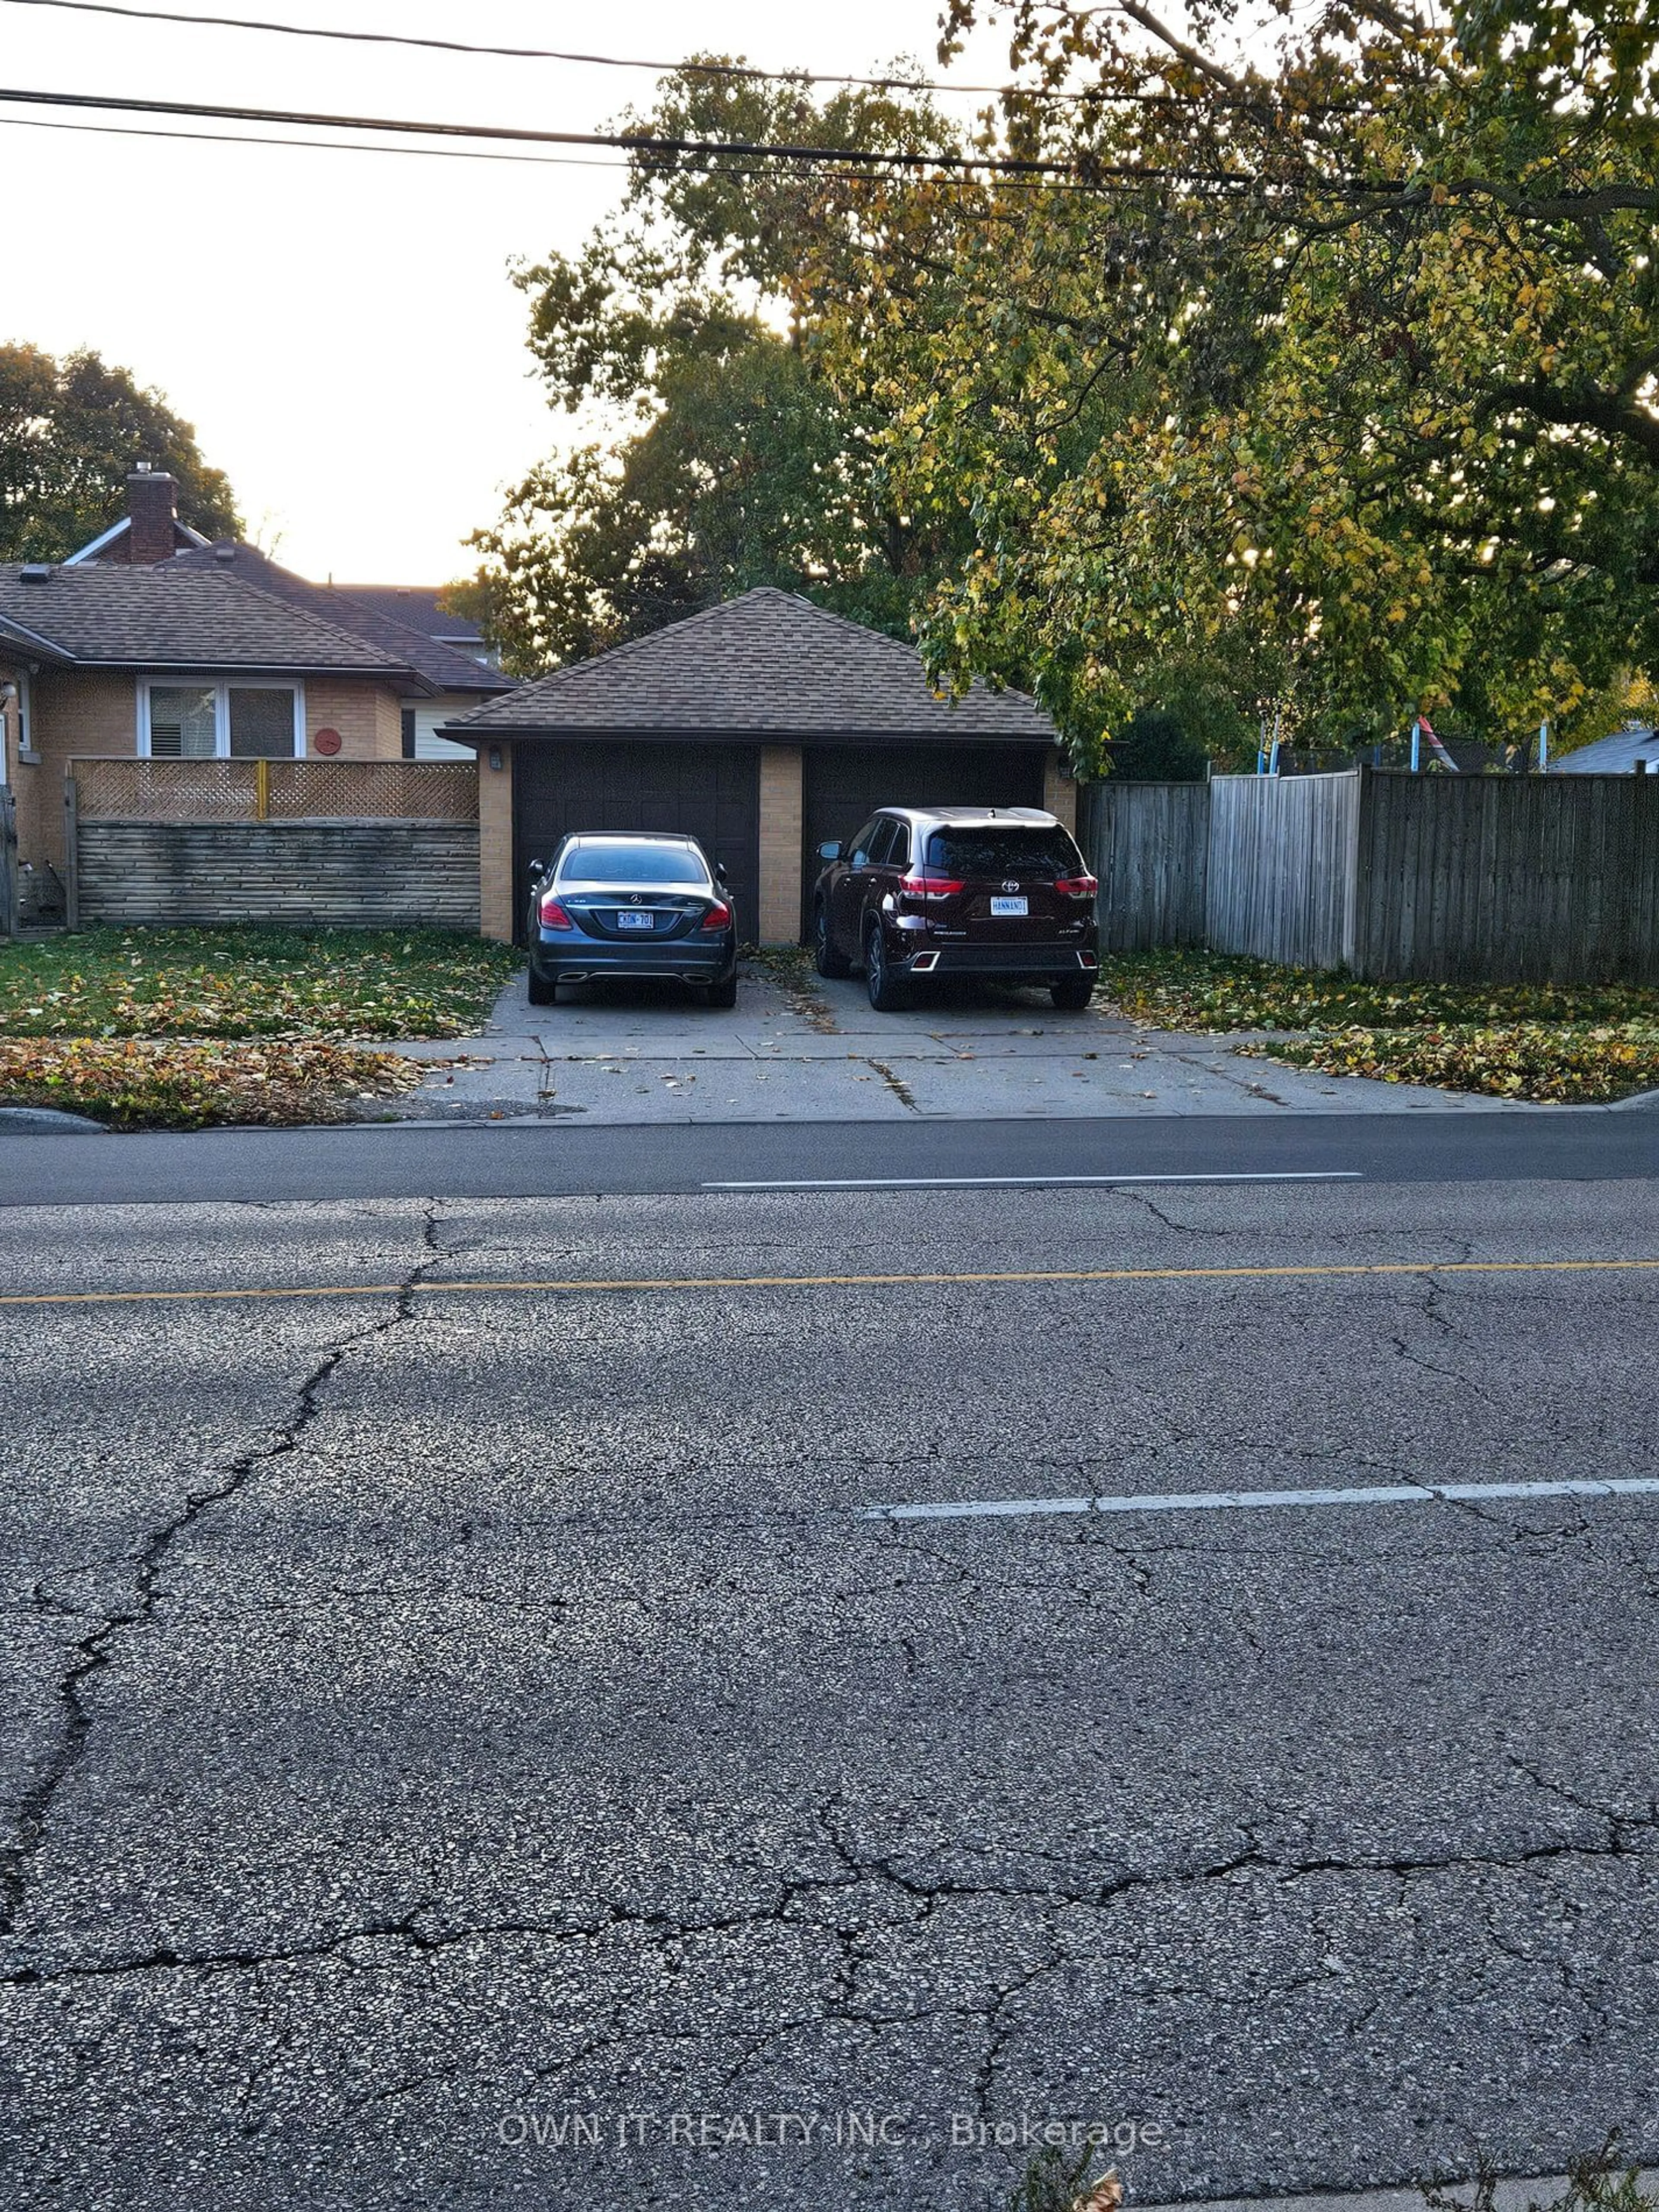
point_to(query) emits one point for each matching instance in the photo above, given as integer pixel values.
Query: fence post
(261, 789)
(71, 854)
(8, 899)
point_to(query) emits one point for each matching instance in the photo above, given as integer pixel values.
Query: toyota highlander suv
(927, 893)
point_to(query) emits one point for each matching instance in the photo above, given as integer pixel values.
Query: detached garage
(763, 728)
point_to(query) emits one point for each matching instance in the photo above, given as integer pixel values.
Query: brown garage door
(711, 792)
(843, 785)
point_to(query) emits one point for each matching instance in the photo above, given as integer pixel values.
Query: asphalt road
(446, 1721)
(485, 1160)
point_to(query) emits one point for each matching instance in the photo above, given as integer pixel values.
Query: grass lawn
(181, 1027)
(1557, 1041)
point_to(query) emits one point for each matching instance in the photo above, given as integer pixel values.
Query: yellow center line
(939, 1277)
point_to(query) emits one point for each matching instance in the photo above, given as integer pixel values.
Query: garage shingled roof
(768, 664)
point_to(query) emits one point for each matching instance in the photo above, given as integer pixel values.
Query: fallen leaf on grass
(1546, 1061)
(150, 1083)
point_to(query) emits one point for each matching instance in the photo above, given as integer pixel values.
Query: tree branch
(1189, 54)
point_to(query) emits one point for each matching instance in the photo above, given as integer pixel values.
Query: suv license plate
(626, 919)
(1009, 905)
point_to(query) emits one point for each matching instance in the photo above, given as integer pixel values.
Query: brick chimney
(153, 507)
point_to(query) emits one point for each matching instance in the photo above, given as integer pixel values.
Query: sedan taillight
(553, 916)
(929, 887)
(718, 915)
(1076, 886)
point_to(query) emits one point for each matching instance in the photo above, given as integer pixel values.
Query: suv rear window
(996, 851)
(631, 863)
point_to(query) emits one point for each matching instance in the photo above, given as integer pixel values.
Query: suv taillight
(552, 914)
(718, 915)
(1076, 886)
(929, 887)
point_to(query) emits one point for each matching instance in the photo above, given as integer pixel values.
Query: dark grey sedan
(622, 904)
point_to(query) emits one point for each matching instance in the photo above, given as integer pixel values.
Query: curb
(1515, 2193)
(47, 1121)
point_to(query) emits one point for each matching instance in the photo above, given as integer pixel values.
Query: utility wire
(455, 153)
(713, 168)
(1086, 174)
(741, 71)
(627, 142)
(314, 145)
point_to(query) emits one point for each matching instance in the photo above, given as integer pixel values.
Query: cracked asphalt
(446, 1722)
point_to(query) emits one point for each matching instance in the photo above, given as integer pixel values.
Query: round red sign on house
(327, 742)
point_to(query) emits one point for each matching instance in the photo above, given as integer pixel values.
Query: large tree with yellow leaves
(1324, 381)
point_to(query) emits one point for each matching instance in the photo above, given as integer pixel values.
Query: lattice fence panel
(394, 790)
(294, 791)
(165, 790)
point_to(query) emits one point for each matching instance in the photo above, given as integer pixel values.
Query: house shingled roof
(416, 607)
(766, 664)
(443, 666)
(1612, 755)
(168, 615)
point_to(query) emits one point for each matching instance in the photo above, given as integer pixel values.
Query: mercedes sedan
(625, 905)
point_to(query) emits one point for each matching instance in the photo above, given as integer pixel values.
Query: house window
(25, 720)
(13, 721)
(221, 722)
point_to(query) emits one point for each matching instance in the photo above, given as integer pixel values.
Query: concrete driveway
(797, 1049)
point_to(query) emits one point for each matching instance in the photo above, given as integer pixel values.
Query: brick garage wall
(1060, 792)
(780, 844)
(498, 892)
(390, 874)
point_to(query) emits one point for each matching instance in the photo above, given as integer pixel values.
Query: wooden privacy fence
(1524, 879)
(1471, 878)
(1149, 845)
(274, 790)
(1279, 877)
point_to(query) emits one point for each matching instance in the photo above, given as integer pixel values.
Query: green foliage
(1602, 2182)
(70, 433)
(1183, 989)
(728, 459)
(1347, 365)
(1054, 2183)
(1155, 748)
(1562, 1064)
(248, 982)
(1574, 1043)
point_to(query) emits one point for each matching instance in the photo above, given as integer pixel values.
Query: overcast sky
(340, 327)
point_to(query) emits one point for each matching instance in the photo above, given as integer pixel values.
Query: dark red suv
(926, 892)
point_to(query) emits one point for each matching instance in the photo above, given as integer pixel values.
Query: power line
(741, 71)
(1086, 174)
(311, 145)
(627, 142)
(468, 152)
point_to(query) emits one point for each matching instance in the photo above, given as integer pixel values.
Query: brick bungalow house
(764, 727)
(151, 644)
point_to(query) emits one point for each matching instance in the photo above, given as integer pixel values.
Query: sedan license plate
(1009, 905)
(627, 920)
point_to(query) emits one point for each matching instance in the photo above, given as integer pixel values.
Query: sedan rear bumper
(567, 959)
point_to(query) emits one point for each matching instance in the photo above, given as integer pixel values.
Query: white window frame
(221, 687)
(15, 717)
(26, 754)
